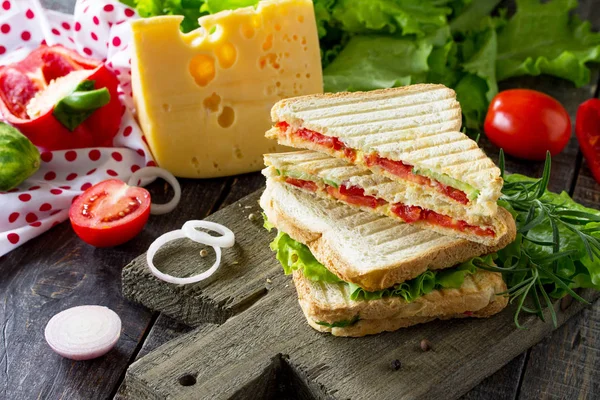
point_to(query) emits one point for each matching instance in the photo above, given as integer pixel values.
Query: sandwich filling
(295, 256)
(447, 186)
(410, 214)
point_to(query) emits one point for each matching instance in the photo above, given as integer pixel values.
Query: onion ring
(168, 237)
(153, 172)
(226, 240)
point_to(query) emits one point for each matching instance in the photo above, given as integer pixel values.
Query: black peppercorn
(396, 365)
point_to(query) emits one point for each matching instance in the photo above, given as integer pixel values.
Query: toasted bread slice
(386, 195)
(325, 304)
(370, 250)
(417, 126)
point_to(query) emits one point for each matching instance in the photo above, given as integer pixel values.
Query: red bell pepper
(22, 81)
(587, 129)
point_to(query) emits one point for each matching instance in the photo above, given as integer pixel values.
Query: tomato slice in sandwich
(110, 213)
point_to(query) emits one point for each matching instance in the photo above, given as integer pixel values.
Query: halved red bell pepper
(587, 129)
(21, 81)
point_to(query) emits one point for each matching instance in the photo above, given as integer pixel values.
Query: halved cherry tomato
(526, 123)
(110, 213)
(587, 128)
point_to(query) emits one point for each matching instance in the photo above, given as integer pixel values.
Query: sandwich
(410, 135)
(358, 186)
(360, 273)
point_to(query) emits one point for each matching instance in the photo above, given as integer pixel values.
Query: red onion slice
(84, 332)
(168, 237)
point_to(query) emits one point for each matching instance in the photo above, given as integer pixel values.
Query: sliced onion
(153, 172)
(84, 332)
(168, 237)
(226, 240)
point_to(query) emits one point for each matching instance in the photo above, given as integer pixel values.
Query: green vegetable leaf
(371, 62)
(406, 17)
(294, 255)
(340, 324)
(471, 94)
(214, 6)
(543, 38)
(469, 18)
(482, 61)
(74, 109)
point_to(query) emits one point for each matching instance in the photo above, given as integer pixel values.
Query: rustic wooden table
(56, 271)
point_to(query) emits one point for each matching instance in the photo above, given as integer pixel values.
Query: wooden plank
(166, 329)
(203, 302)
(56, 271)
(243, 350)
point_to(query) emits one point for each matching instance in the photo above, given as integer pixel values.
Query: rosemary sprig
(538, 267)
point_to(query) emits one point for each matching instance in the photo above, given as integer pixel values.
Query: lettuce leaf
(405, 17)
(214, 6)
(371, 62)
(428, 281)
(294, 256)
(190, 9)
(544, 38)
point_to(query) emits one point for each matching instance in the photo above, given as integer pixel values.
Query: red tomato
(527, 123)
(110, 213)
(354, 195)
(302, 184)
(587, 128)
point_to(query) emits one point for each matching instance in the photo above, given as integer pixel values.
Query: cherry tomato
(527, 123)
(110, 213)
(587, 128)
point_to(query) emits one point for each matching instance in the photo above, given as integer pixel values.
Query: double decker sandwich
(382, 214)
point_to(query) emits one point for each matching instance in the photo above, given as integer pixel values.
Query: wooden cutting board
(252, 340)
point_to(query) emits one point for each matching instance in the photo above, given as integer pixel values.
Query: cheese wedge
(203, 98)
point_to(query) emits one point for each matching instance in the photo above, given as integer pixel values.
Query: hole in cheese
(227, 117)
(278, 84)
(227, 55)
(166, 107)
(301, 18)
(307, 76)
(202, 69)
(268, 43)
(248, 31)
(270, 59)
(212, 102)
(277, 27)
(295, 37)
(303, 39)
(298, 75)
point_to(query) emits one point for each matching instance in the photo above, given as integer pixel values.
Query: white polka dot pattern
(98, 29)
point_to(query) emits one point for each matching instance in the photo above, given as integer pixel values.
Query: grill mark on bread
(393, 139)
(424, 154)
(440, 116)
(361, 109)
(420, 130)
(436, 141)
(376, 95)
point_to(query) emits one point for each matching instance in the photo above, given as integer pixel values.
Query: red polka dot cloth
(100, 30)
